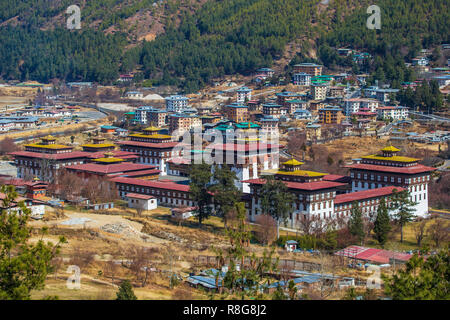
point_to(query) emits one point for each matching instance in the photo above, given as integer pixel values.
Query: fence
(285, 264)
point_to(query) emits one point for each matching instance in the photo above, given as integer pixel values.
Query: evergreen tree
(279, 294)
(355, 223)
(200, 176)
(421, 279)
(276, 201)
(382, 224)
(226, 194)
(24, 266)
(126, 291)
(403, 208)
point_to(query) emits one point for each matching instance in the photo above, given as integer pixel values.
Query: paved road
(429, 116)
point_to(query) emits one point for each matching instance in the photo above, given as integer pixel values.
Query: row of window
(392, 179)
(153, 191)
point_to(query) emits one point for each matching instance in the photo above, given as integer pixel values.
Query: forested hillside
(208, 38)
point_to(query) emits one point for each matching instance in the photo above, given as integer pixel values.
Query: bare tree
(111, 269)
(7, 145)
(267, 229)
(438, 231)
(306, 224)
(419, 231)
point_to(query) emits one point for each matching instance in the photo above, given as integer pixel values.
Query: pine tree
(382, 224)
(276, 201)
(355, 224)
(200, 175)
(126, 291)
(404, 209)
(23, 266)
(226, 194)
(421, 279)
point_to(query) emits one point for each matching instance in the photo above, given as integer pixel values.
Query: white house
(141, 201)
(244, 94)
(176, 103)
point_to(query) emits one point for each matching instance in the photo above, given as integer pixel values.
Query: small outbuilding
(142, 201)
(291, 245)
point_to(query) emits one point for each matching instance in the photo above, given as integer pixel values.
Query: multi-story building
(266, 72)
(269, 125)
(318, 91)
(248, 155)
(395, 113)
(244, 94)
(354, 105)
(309, 68)
(331, 115)
(183, 122)
(351, 106)
(273, 110)
(152, 148)
(140, 114)
(42, 160)
(236, 112)
(283, 97)
(336, 91)
(167, 193)
(383, 95)
(317, 195)
(109, 166)
(176, 103)
(157, 117)
(389, 169)
(98, 145)
(314, 198)
(301, 79)
(296, 104)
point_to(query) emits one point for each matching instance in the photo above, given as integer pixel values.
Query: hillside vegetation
(205, 39)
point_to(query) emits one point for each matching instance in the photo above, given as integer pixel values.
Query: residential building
(244, 94)
(269, 125)
(236, 112)
(176, 103)
(266, 72)
(283, 97)
(272, 109)
(309, 68)
(301, 79)
(318, 91)
(331, 115)
(183, 122)
(394, 113)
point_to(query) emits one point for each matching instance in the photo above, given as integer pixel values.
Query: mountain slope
(204, 39)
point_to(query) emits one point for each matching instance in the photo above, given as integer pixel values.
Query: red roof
(362, 113)
(152, 184)
(336, 178)
(373, 255)
(124, 167)
(52, 156)
(310, 186)
(244, 147)
(406, 170)
(117, 153)
(139, 196)
(366, 194)
(179, 160)
(162, 145)
(142, 173)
